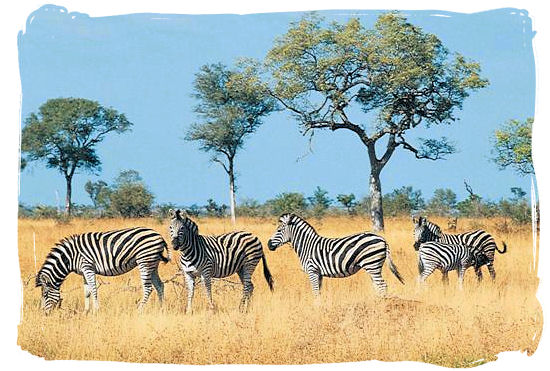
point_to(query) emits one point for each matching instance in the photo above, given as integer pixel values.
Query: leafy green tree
(65, 132)
(512, 146)
(403, 201)
(442, 203)
(348, 201)
(99, 193)
(288, 202)
(319, 202)
(400, 77)
(213, 209)
(251, 207)
(129, 196)
(230, 110)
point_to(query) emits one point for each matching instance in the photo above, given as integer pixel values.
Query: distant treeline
(128, 197)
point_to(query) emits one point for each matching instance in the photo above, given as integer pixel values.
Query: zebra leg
(316, 282)
(445, 278)
(89, 278)
(378, 282)
(248, 288)
(86, 297)
(158, 285)
(190, 282)
(461, 271)
(492, 272)
(146, 276)
(208, 286)
(479, 274)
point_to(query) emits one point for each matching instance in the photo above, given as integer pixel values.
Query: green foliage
(516, 207)
(230, 108)
(348, 201)
(129, 197)
(319, 202)
(252, 208)
(395, 72)
(512, 146)
(442, 203)
(213, 209)
(99, 193)
(403, 201)
(288, 202)
(65, 132)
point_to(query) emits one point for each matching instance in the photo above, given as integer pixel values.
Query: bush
(402, 201)
(319, 202)
(287, 202)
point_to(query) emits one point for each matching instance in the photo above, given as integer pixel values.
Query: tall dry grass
(435, 324)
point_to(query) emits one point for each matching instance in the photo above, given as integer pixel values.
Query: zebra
(110, 253)
(334, 257)
(216, 257)
(448, 257)
(478, 240)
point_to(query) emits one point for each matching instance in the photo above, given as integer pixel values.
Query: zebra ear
(421, 221)
(172, 213)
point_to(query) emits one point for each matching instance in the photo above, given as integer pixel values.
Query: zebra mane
(293, 219)
(434, 228)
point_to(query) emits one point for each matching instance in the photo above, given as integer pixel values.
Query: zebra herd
(117, 252)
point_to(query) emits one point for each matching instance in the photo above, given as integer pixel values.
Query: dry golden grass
(436, 324)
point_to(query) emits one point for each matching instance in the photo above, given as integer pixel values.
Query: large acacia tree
(65, 132)
(230, 109)
(379, 83)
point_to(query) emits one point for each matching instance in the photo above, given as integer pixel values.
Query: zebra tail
(504, 248)
(267, 274)
(168, 256)
(392, 266)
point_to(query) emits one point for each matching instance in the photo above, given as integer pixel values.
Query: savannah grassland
(436, 324)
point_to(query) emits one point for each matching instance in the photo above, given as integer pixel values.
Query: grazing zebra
(448, 257)
(105, 253)
(216, 257)
(478, 240)
(334, 257)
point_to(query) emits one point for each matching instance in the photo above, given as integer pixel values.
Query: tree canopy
(65, 132)
(378, 83)
(512, 146)
(230, 109)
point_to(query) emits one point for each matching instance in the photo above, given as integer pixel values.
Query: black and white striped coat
(334, 257)
(216, 257)
(105, 253)
(478, 241)
(447, 257)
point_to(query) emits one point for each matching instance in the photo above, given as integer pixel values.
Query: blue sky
(144, 65)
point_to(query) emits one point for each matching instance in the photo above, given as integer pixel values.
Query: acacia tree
(378, 83)
(230, 109)
(64, 133)
(512, 146)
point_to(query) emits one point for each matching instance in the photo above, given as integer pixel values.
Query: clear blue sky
(143, 65)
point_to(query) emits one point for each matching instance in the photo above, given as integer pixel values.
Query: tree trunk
(232, 192)
(376, 211)
(68, 207)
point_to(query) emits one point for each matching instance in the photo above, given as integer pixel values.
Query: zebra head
(51, 296)
(282, 234)
(182, 229)
(424, 231)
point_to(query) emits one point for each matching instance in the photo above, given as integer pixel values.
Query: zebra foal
(477, 241)
(334, 257)
(447, 257)
(215, 257)
(109, 253)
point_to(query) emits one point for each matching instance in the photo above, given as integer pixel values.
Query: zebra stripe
(334, 257)
(478, 241)
(109, 253)
(216, 257)
(447, 257)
